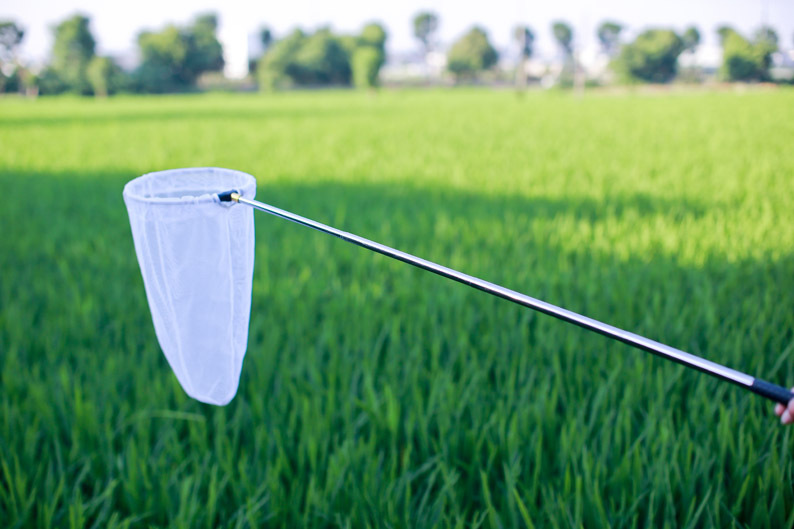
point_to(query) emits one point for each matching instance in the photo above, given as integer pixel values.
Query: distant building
(414, 67)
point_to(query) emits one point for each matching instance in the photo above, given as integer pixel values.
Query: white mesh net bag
(197, 257)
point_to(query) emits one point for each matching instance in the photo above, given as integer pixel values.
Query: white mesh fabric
(197, 258)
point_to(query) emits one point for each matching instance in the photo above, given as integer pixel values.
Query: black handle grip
(227, 195)
(771, 391)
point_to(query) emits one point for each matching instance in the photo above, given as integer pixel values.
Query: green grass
(377, 395)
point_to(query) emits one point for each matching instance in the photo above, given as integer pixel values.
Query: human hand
(786, 413)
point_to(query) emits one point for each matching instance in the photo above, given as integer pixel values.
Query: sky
(115, 24)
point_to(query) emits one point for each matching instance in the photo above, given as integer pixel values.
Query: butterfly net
(196, 255)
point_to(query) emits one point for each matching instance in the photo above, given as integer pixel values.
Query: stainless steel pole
(761, 387)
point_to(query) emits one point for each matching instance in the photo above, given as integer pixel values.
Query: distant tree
(11, 36)
(349, 42)
(366, 64)
(205, 53)
(609, 37)
(652, 57)
(318, 59)
(72, 50)
(425, 27)
(525, 39)
(472, 53)
(739, 59)
(743, 60)
(767, 43)
(173, 58)
(369, 56)
(265, 41)
(104, 75)
(691, 39)
(9, 83)
(265, 38)
(563, 34)
(767, 35)
(373, 35)
(162, 67)
(49, 82)
(278, 65)
(208, 21)
(723, 32)
(323, 60)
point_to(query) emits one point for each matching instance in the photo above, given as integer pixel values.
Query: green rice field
(377, 395)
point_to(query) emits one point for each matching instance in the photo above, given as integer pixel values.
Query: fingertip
(779, 409)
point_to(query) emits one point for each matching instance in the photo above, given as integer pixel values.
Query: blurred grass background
(377, 395)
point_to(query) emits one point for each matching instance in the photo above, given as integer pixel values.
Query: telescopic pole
(756, 385)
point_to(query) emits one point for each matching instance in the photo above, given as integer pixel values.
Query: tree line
(174, 57)
(171, 59)
(321, 58)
